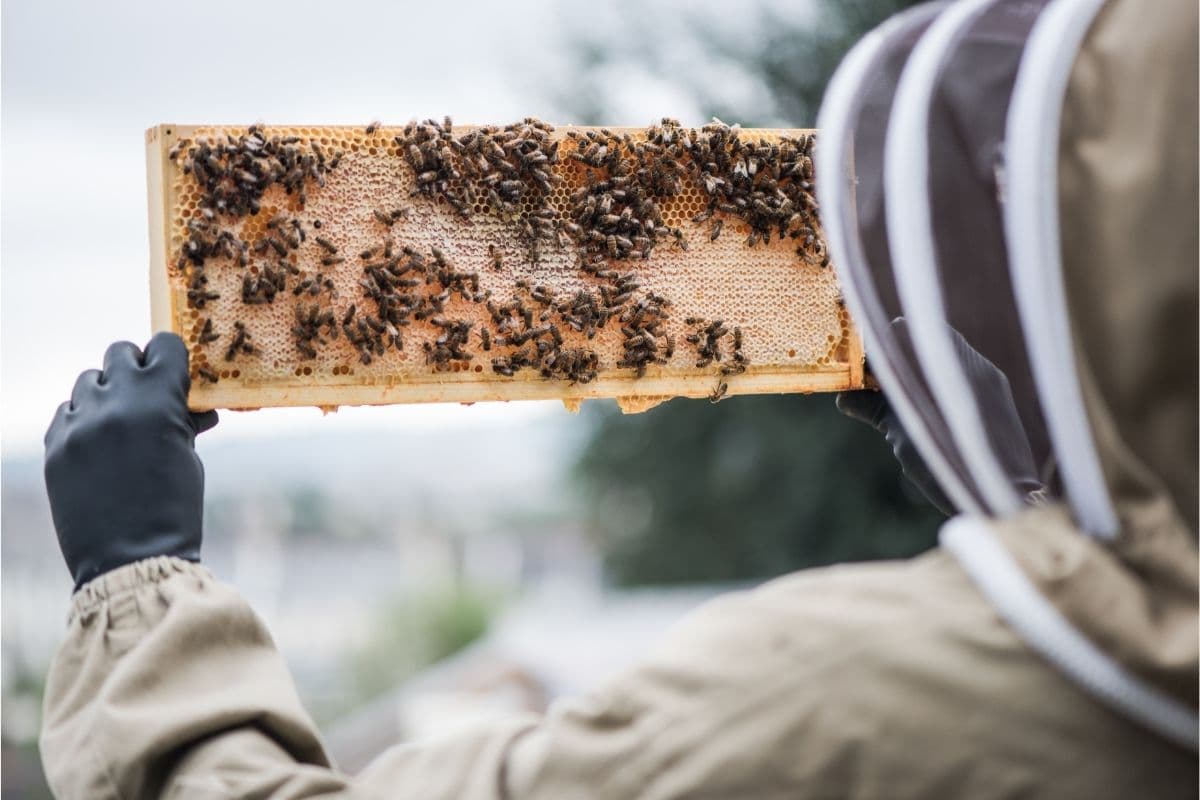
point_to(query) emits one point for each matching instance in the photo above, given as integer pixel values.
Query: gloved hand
(873, 408)
(1008, 439)
(121, 469)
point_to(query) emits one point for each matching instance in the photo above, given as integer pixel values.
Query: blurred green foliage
(21, 775)
(410, 632)
(750, 488)
(756, 486)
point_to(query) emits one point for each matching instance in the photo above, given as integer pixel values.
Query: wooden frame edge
(159, 141)
(472, 391)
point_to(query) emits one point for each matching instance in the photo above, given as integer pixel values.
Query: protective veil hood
(1128, 218)
(1038, 176)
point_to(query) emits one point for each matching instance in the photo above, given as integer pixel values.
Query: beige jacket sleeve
(891, 680)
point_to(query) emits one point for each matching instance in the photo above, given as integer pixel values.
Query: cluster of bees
(768, 185)
(404, 286)
(705, 338)
(233, 175)
(503, 168)
(508, 173)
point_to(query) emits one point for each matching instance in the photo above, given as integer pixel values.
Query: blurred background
(420, 567)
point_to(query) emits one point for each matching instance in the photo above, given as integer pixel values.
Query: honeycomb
(794, 331)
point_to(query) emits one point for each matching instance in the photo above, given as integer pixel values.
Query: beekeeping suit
(1009, 193)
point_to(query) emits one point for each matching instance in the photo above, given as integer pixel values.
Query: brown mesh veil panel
(850, 156)
(945, 184)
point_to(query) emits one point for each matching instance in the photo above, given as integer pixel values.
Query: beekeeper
(1009, 192)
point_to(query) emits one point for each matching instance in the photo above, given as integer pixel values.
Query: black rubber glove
(1008, 440)
(873, 409)
(122, 473)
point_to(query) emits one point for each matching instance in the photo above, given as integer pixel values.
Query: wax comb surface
(336, 266)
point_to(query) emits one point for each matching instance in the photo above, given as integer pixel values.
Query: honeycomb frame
(799, 336)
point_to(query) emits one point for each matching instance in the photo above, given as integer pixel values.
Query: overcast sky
(83, 80)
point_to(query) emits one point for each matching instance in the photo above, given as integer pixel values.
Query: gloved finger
(166, 353)
(863, 405)
(917, 472)
(56, 424)
(204, 420)
(930, 489)
(86, 385)
(121, 357)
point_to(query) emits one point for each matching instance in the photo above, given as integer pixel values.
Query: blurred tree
(756, 486)
(753, 487)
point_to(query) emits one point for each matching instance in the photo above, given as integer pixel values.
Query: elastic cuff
(130, 577)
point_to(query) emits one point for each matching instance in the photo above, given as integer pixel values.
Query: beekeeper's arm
(168, 685)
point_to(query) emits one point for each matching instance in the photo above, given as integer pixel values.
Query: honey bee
(207, 334)
(239, 343)
(176, 148)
